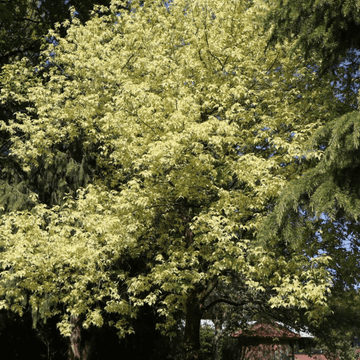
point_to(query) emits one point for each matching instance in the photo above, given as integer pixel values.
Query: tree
(23, 28)
(329, 28)
(321, 209)
(193, 132)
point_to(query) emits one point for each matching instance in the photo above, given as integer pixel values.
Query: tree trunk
(218, 321)
(192, 329)
(79, 347)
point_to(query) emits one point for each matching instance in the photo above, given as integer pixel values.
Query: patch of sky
(315, 68)
(168, 4)
(348, 74)
(347, 241)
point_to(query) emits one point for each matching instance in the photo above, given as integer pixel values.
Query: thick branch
(208, 291)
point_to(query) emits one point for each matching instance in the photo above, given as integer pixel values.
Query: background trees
(186, 132)
(25, 23)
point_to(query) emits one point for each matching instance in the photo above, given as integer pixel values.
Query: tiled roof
(313, 357)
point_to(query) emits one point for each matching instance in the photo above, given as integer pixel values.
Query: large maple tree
(194, 131)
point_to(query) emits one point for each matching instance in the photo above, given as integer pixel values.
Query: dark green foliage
(320, 213)
(326, 199)
(329, 27)
(206, 342)
(340, 328)
(230, 349)
(25, 23)
(332, 186)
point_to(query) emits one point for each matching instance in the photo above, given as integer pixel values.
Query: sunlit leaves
(196, 132)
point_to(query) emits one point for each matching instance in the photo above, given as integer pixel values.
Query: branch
(233, 183)
(272, 65)
(128, 60)
(209, 290)
(27, 19)
(201, 58)
(215, 57)
(147, 125)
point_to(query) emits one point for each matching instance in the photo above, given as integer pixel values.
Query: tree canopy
(193, 132)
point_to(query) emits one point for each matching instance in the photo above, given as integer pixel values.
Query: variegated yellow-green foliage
(197, 130)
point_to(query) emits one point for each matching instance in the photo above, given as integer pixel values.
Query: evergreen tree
(330, 28)
(320, 210)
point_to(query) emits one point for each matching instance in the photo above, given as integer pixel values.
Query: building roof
(266, 330)
(307, 357)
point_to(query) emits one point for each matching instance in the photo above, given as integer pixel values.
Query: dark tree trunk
(192, 328)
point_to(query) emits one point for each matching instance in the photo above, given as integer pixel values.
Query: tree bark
(218, 321)
(192, 329)
(79, 347)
